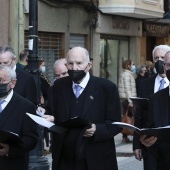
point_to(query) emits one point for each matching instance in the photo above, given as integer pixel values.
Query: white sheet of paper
(41, 121)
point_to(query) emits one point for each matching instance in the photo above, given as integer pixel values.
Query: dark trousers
(157, 157)
(72, 164)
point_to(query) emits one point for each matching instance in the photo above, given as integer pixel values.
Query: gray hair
(10, 71)
(164, 47)
(60, 61)
(139, 69)
(85, 53)
(6, 48)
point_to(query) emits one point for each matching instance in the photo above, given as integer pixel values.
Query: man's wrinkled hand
(138, 154)
(148, 141)
(90, 132)
(4, 150)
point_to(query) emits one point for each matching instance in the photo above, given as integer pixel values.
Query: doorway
(113, 51)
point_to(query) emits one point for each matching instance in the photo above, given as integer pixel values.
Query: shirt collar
(14, 68)
(159, 78)
(8, 98)
(84, 81)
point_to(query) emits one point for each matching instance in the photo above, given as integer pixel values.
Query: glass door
(112, 52)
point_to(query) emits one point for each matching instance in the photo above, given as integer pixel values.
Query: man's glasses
(7, 63)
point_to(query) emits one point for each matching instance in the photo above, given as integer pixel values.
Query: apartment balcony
(143, 9)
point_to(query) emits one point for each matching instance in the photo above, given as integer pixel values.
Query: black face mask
(159, 67)
(76, 75)
(168, 74)
(3, 90)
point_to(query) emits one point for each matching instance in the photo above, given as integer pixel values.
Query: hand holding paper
(41, 121)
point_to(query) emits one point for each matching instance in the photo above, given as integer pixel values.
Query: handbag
(129, 120)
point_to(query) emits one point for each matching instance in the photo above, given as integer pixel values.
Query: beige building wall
(147, 8)
(68, 20)
(4, 20)
(132, 29)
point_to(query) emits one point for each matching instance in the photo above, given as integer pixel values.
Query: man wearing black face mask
(97, 101)
(25, 85)
(158, 116)
(13, 118)
(148, 87)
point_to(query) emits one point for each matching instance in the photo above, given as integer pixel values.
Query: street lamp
(37, 161)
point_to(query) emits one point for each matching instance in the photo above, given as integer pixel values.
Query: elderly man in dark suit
(13, 118)
(25, 85)
(158, 116)
(98, 102)
(148, 87)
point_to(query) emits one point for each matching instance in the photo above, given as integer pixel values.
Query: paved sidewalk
(125, 158)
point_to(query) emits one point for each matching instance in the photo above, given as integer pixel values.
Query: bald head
(60, 69)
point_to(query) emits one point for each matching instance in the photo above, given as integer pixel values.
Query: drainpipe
(20, 26)
(13, 31)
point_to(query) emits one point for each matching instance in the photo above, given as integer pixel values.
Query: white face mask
(133, 69)
(43, 69)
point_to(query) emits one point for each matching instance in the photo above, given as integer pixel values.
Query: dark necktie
(162, 84)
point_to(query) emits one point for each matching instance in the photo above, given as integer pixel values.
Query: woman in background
(127, 89)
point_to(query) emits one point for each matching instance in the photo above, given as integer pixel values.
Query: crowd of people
(75, 92)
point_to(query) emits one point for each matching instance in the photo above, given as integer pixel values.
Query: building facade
(112, 31)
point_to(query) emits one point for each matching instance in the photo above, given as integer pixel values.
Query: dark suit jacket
(102, 106)
(25, 86)
(13, 118)
(146, 89)
(159, 116)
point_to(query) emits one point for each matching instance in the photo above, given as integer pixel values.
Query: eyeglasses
(7, 63)
(5, 81)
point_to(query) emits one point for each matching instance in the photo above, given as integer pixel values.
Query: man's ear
(89, 66)
(13, 83)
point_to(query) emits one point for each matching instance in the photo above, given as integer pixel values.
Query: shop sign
(120, 25)
(156, 30)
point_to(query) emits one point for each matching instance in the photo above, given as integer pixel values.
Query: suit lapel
(67, 95)
(164, 107)
(8, 110)
(90, 95)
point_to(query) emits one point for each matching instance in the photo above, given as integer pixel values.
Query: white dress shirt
(7, 100)
(158, 83)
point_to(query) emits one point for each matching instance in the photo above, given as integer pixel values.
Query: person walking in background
(149, 69)
(141, 70)
(44, 83)
(127, 89)
(23, 60)
(94, 99)
(14, 119)
(25, 85)
(148, 87)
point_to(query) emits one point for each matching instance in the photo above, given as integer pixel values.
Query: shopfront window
(113, 51)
